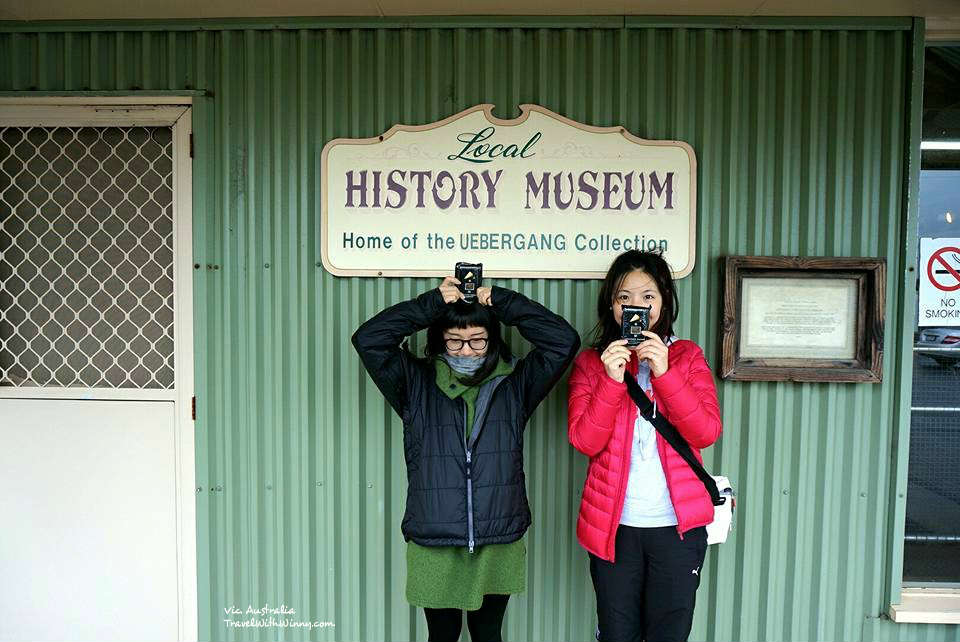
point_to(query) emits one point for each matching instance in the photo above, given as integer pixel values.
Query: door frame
(157, 111)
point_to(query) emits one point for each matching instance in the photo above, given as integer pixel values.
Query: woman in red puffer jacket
(644, 511)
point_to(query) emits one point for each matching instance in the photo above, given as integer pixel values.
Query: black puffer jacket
(465, 493)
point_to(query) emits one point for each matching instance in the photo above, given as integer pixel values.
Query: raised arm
(555, 342)
(378, 341)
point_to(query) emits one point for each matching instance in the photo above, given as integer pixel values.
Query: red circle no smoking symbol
(938, 267)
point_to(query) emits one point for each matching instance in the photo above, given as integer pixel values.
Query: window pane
(932, 537)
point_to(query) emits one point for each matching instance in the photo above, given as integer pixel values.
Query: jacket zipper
(466, 447)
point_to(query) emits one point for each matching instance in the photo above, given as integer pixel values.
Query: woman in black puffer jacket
(464, 409)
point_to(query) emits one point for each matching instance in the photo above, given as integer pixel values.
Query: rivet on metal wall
(369, 484)
(786, 492)
(269, 486)
(266, 265)
(199, 489)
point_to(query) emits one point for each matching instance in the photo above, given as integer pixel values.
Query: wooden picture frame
(809, 319)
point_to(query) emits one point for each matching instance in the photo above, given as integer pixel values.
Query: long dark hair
(464, 315)
(653, 263)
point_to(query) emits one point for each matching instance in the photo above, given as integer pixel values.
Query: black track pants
(443, 625)
(650, 591)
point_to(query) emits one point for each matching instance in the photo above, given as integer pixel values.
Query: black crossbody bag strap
(673, 437)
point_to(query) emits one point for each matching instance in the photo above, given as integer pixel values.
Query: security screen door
(96, 467)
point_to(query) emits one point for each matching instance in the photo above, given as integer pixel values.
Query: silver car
(940, 344)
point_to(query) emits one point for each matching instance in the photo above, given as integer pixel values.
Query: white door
(96, 373)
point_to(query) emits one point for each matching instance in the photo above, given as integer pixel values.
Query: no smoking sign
(939, 282)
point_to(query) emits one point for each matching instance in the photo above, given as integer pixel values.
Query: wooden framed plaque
(803, 318)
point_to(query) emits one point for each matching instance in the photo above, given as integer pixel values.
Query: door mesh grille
(86, 257)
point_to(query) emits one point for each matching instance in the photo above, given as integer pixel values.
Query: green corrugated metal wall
(801, 133)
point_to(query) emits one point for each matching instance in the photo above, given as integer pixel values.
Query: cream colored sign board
(536, 196)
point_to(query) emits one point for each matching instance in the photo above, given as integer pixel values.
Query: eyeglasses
(477, 344)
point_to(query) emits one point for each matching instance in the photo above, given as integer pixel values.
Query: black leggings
(443, 625)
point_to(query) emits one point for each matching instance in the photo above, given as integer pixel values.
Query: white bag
(722, 523)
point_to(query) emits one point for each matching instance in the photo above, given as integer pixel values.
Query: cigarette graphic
(956, 260)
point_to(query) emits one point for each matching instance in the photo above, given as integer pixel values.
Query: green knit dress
(450, 577)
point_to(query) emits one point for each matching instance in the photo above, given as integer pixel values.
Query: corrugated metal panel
(800, 136)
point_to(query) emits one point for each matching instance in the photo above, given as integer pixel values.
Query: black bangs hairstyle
(464, 315)
(653, 263)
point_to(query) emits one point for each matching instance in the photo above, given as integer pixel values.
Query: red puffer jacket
(601, 419)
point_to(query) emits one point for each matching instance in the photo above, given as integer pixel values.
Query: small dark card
(470, 276)
(635, 320)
